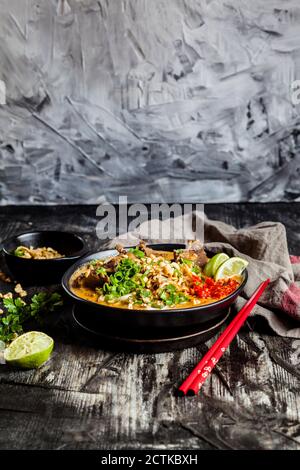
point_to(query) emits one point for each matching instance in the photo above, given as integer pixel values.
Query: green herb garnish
(137, 252)
(94, 262)
(101, 271)
(170, 296)
(18, 312)
(142, 293)
(187, 261)
(19, 252)
(195, 269)
(122, 282)
(177, 272)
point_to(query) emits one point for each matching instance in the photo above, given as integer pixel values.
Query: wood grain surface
(87, 398)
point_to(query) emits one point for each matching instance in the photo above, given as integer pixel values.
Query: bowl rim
(77, 254)
(71, 270)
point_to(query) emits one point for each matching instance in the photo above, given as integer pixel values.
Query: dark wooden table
(87, 398)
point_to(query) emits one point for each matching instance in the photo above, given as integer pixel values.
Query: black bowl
(44, 271)
(119, 318)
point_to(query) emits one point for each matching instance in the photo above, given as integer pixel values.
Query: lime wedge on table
(29, 350)
(214, 263)
(232, 267)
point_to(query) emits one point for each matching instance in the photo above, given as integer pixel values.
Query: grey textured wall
(160, 100)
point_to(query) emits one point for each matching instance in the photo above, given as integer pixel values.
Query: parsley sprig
(18, 312)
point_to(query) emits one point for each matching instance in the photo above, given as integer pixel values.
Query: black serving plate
(112, 317)
(45, 271)
(146, 340)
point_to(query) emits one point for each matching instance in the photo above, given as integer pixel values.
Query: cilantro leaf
(18, 312)
(137, 252)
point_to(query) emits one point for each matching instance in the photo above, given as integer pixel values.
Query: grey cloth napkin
(265, 247)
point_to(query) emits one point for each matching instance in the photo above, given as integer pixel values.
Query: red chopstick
(199, 374)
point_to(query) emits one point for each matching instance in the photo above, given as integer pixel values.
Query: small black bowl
(120, 318)
(44, 271)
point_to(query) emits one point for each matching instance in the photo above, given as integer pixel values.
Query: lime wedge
(214, 263)
(232, 267)
(29, 351)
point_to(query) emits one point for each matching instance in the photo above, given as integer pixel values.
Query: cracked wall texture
(159, 100)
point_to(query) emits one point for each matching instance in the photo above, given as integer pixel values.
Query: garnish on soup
(143, 278)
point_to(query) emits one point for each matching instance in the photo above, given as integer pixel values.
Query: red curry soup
(147, 279)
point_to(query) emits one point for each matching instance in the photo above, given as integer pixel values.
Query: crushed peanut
(19, 290)
(8, 295)
(37, 253)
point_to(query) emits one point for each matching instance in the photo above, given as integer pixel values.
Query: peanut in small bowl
(42, 257)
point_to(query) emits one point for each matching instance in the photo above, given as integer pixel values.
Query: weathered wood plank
(89, 398)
